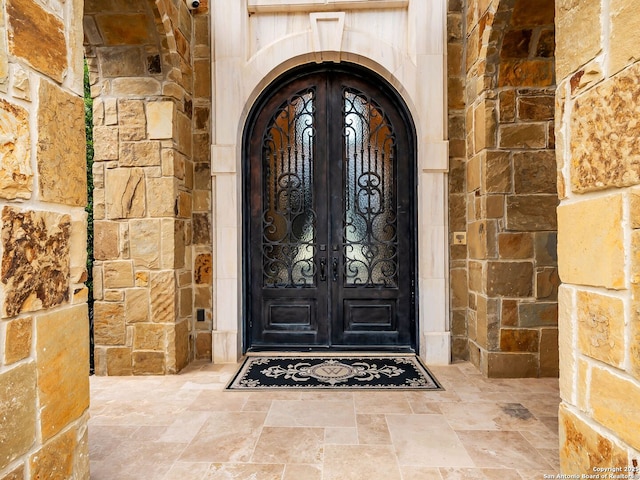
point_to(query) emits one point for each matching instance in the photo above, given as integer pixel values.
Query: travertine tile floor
(185, 427)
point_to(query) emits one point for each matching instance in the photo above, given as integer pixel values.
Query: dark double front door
(330, 242)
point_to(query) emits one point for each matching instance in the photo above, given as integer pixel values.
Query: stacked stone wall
(152, 185)
(44, 327)
(457, 178)
(507, 288)
(597, 110)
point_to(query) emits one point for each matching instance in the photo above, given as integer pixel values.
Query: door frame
(394, 97)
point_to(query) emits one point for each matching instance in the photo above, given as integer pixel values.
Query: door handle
(334, 269)
(323, 269)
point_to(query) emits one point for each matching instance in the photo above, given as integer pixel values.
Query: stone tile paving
(186, 427)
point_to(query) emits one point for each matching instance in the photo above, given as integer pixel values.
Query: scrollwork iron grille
(288, 217)
(370, 238)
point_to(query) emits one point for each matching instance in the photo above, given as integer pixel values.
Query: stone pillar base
(226, 347)
(435, 348)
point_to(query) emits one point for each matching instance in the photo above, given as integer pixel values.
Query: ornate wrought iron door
(330, 255)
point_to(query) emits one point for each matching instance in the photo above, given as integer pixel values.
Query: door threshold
(329, 352)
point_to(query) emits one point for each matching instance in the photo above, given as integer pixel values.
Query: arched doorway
(329, 214)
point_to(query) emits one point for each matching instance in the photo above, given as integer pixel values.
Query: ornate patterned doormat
(339, 372)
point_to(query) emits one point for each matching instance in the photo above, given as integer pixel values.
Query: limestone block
(144, 241)
(532, 212)
(105, 143)
(118, 274)
(148, 363)
(125, 61)
(566, 335)
(509, 313)
(519, 340)
(535, 172)
(106, 240)
(203, 346)
(16, 176)
(201, 229)
(601, 327)
(81, 455)
(18, 340)
(119, 361)
(201, 201)
(481, 238)
(142, 278)
(510, 279)
(526, 73)
(614, 402)
(163, 297)
(139, 154)
(497, 172)
(516, 43)
(131, 112)
(546, 248)
(455, 97)
(131, 29)
(62, 346)
(114, 296)
(536, 108)
(182, 346)
(21, 84)
(184, 134)
(547, 283)
(62, 159)
(186, 302)
(109, 323)
(634, 350)
(459, 292)
(17, 412)
(78, 251)
(110, 111)
(35, 260)
(162, 193)
(512, 365)
(151, 336)
(142, 87)
(604, 148)
(55, 459)
(549, 353)
(582, 448)
(29, 25)
(16, 474)
(523, 135)
(515, 245)
(474, 172)
(578, 34)
(203, 269)
(203, 297)
(125, 193)
(184, 205)
(136, 305)
(160, 120)
(537, 314)
(589, 226)
(625, 23)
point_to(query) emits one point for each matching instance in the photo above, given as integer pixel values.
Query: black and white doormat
(339, 372)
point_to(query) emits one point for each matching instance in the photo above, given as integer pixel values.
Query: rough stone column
(511, 189)
(44, 326)
(148, 84)
(597, 110)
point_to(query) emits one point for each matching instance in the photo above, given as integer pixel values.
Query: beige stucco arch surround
(406, 48)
